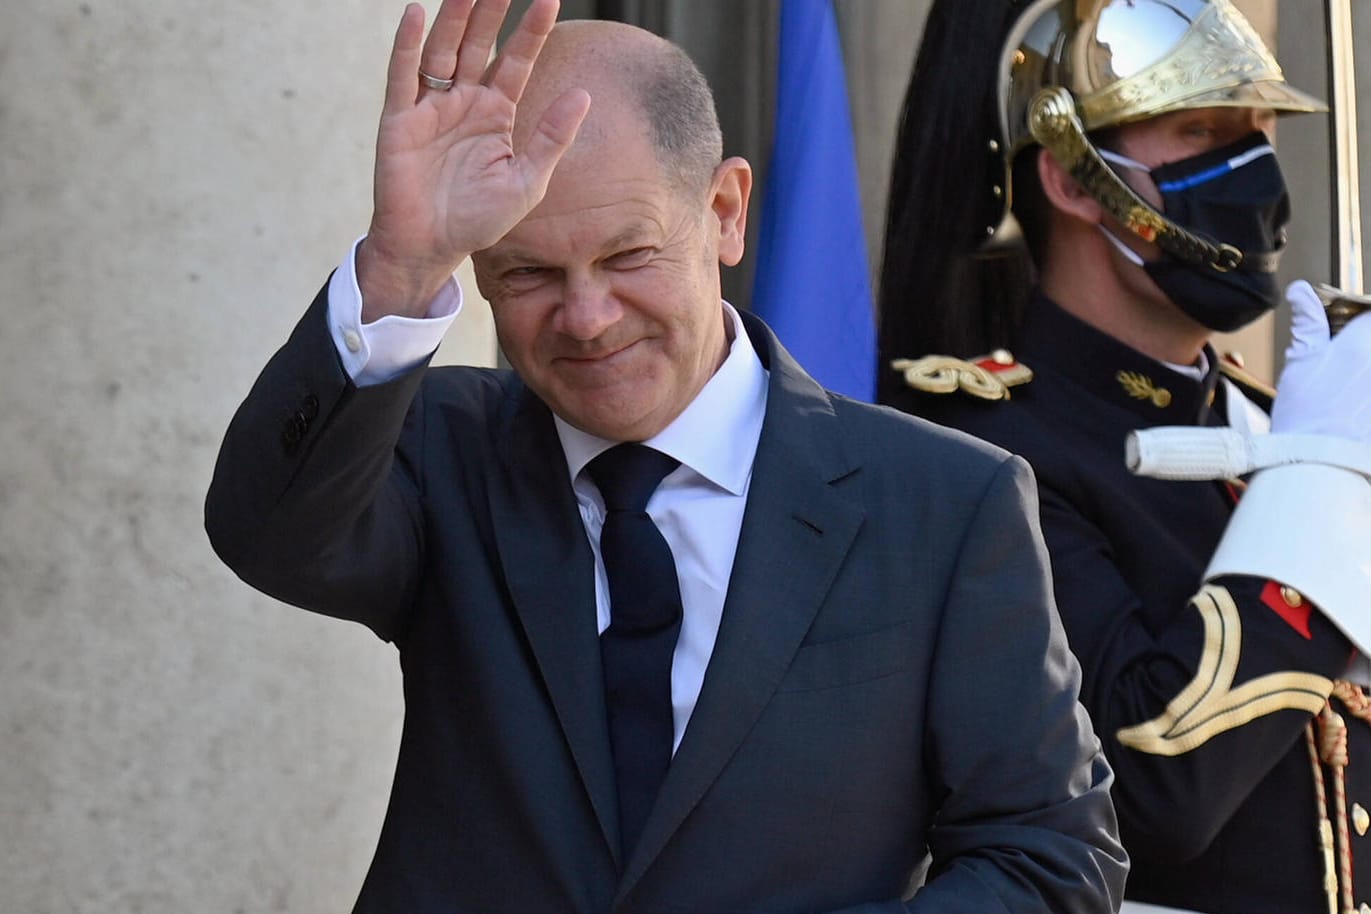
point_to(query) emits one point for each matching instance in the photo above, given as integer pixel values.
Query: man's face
(1161, 141)
(1182, 134)
(606, 297)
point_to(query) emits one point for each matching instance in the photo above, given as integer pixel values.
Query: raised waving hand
(448, 182)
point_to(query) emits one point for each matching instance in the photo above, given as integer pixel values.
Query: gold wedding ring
(433, 82)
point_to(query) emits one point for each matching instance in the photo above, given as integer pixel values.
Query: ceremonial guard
(1085, 191)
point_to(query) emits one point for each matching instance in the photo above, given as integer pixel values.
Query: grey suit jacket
(890, 701)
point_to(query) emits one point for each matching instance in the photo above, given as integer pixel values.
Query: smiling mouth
(597, 358)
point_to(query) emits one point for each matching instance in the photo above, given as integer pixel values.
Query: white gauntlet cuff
(1307, 526)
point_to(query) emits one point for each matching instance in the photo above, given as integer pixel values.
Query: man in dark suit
(855, 695)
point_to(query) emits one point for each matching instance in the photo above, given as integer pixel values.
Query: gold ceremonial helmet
(1071, 67)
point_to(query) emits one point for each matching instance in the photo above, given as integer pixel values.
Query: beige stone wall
(880, 38)
(1295, 31)
(1256, 344)
(176, 180)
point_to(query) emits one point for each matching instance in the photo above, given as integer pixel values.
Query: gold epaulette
(988, 377)
(1231, 367)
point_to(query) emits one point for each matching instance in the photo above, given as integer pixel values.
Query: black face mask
(1236, 196)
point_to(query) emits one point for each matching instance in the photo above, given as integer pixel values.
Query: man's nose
(1264, 121)
(588, 307)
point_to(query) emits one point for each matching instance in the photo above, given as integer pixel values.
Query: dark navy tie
(645, 618)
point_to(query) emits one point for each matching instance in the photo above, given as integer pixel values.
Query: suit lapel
(797, 530)
(550, 572)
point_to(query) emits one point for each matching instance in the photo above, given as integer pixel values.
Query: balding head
(637, 81)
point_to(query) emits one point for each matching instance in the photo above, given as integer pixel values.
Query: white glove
(1308, 525)
(1325, 388)
(1322, 414)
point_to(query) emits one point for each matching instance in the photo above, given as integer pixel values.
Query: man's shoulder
(1254, 388)
(1048, 422)
(891, 436)
(465, 388)
(910, 470)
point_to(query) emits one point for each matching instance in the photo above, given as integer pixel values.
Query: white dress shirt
(698, 506)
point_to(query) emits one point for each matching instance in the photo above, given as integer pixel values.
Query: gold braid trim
(1210, 705)
(1325, 835)
(1332, 752)
(943, 374)
(1354, 699)
(1245, 378)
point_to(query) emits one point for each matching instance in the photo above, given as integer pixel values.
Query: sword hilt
(1341, 306)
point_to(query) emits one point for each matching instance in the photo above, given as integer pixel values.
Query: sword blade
(1346, 176)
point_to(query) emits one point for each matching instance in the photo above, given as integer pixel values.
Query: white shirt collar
(716, 435)
(1198, 371)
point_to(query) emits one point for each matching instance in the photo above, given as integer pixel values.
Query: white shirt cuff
(385, 348)
(1307, 526)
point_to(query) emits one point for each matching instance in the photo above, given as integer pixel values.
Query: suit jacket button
(310, 406)
(295, 429)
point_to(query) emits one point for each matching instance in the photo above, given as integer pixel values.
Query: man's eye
(522, 272)
(626, 260)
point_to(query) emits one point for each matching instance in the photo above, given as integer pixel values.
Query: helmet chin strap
(1129, 254)
(1057, 127)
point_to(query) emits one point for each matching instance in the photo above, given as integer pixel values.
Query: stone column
(1295, 31)
(175, 185)
(1305, 146)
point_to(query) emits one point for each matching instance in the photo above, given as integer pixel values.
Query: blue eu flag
(813, 284)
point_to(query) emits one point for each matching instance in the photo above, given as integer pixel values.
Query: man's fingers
(553, 136)
(440, 50)
(1308, 322)
(482, 29)
(509, 74)
(402, 74)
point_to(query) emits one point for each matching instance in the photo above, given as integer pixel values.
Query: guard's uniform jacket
(1239, 789)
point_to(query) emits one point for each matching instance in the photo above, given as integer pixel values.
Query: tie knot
(628, 474)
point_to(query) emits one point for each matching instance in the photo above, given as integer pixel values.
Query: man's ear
(729, 195)
(1064, 193)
